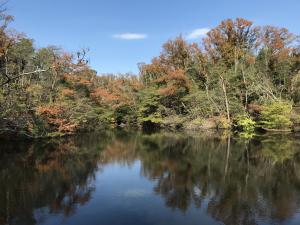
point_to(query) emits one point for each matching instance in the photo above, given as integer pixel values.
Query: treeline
(239, 76)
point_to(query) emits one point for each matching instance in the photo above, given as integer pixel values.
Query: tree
(237, 67)
(230, 45)
(276, 116)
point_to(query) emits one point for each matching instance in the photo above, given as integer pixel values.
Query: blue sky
(121, 33)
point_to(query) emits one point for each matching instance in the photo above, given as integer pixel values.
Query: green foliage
(194, 124)
(245, 124)
(198, 121)
(276, 116)
(277, 151)
(107, 118)
(149, 109)
(296, 88)
(246, 135)
(154, 118)
(49, 92)
(125, 115)
(173, 122)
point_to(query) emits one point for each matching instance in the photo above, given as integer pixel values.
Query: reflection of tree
(54, 175)
(239, 180)
(121, 151)
(177, 167)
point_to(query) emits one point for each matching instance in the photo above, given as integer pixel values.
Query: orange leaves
(135, 84)
(250, 59)
(177, 75)
(167, 72)
(103, 94)
(116, 91)
(173, 82)
(68, 77)
(169, 90)
(276, 38)
(278, 41)
(67, 92)
(50, 110)
(67, 127)
(76, 79)
(243, 24)
(61, 61)
(177, 54)
(55, 115)
(150, 72)
(84, 82)
(231, 40)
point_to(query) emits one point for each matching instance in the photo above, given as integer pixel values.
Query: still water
(127, 178)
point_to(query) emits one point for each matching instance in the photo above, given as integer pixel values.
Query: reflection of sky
(294, 220)
(135, 192)
(127, 183)
(291, 221)
(122, 196)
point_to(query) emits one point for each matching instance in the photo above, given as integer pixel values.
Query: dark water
(125, 178)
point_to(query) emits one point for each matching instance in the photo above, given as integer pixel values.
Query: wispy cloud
(198, 33)
(130, 36)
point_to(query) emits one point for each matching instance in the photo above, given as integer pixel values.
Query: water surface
(128, 178)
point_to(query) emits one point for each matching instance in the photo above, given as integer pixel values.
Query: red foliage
(103, 94)
(54, 115)
(68, 92)
(50, 110)
(173, 82)
(231, 39)
(116, 91)
(77, 79)
(277, 40)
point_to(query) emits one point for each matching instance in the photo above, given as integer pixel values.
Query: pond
(130, 178)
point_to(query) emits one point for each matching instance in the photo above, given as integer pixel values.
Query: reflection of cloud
(130, 36)
(197, 191)
(136, 193)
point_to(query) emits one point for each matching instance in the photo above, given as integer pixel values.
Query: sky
(121, 33)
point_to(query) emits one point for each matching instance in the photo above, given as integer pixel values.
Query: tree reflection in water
(237, 181)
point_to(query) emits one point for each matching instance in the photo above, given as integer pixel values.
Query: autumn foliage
(54, 115)
(231, 73)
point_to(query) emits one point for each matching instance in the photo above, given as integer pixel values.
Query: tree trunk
(235, 61)
(210, 99)
(225, 97)
(246, 89)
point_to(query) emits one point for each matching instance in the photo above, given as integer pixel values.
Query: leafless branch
(20, 75)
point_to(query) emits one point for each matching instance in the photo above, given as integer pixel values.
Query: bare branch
(22, 74)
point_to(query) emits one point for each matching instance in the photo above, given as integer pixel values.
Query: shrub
(276, 116)
(245, 124)
(223, 123)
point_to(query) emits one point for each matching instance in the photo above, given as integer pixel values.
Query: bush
(223, 123)
(173, 122)
(276, 116)
(245, 124)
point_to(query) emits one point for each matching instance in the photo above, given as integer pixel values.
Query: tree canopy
(237, 71)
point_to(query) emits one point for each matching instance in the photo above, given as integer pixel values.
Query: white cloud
(198, 33)
(130, 36)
